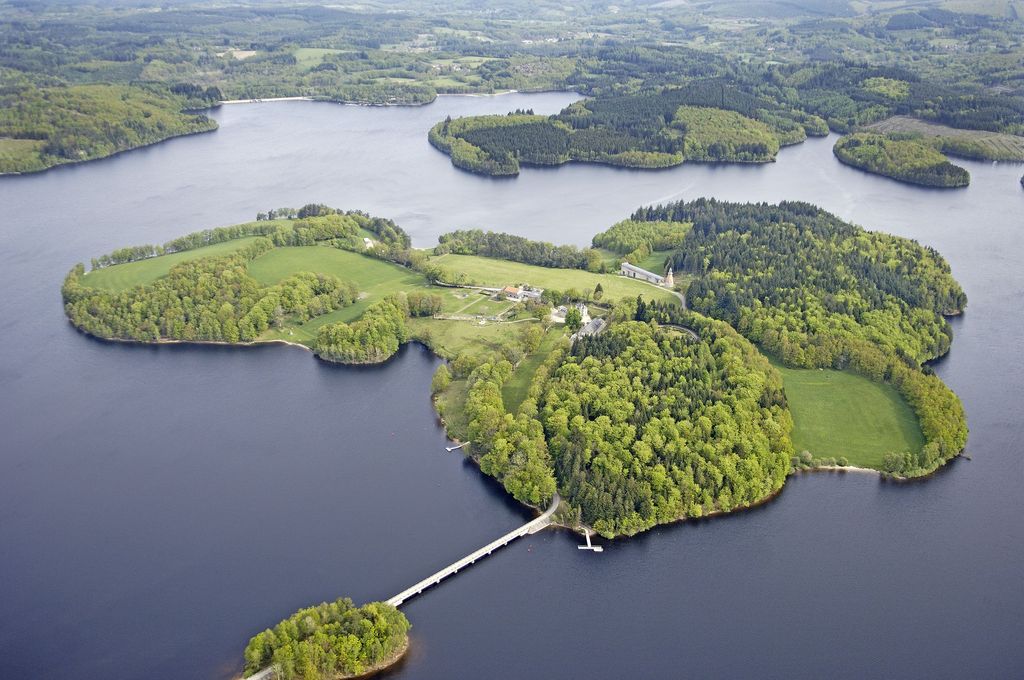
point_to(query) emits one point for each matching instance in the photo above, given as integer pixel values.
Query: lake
(160, 505)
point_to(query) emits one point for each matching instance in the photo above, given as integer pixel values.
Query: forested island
(904, 159)
(330, 641)
(659, 413)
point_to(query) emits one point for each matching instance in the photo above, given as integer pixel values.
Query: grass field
(374, 278)
(19, 153)
(451, 404)
(999, 145)
(839, 413)
(514, 391)
(308, 57)
(130, 274)
(655, 262)
(492, 272)
(449, 338)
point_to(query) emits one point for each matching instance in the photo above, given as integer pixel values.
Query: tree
(598, 292)
(573, 319)
(442, 378)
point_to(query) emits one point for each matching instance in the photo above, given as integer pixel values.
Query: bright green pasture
(840, 413)
(486, 271)
(130, 274)
(374, 278)
(655, 262)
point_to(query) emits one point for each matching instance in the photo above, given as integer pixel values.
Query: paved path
(530, 527)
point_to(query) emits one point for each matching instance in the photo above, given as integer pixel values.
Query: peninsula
(704, 122)
(905, 159)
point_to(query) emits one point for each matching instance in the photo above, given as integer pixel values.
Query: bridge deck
(530, 527)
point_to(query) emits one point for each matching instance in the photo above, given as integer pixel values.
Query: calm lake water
(158, 506)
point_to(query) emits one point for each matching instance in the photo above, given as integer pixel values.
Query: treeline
(647, 425)
(906, 160)
(518, 249)
(627, 236)
(331, 640)
(510, 448)
(205, 300)
(48, 126)
(820, 292)
(313, 223)
(847, 95)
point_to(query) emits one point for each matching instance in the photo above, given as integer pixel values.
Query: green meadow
(486, 271)
(840, 413)
(141, 272)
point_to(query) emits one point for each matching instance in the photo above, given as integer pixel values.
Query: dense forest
(510, 448)
(205, 300)
(331, 640)
(630, 235)
(648, 425)
(705, 121)
(906, 160)
(43, 127)
(820, 292)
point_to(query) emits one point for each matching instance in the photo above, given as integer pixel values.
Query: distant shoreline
(268, 99)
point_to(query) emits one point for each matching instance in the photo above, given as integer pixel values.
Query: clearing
(1001, 146)
(141, 272)
(841, 413)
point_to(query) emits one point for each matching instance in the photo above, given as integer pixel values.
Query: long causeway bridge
(531, 527)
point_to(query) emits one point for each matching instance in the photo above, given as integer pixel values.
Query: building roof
(633, 268)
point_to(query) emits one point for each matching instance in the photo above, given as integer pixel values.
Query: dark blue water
(158, 506)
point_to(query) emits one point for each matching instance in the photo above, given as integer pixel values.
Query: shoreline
(397, 657)
(268, 99)
(577, 529)
(71, 163)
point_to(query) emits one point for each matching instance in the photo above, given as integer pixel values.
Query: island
(769, 340)
(640, 396)
(706, 121)
(330, 641)
(905, 159)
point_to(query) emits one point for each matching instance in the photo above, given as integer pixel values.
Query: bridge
(531, 527)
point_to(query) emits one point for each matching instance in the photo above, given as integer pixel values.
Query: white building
(634, 272)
